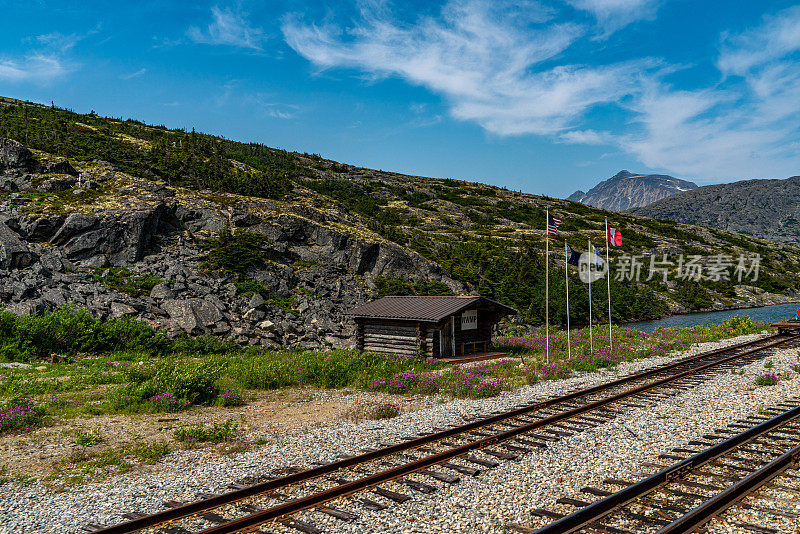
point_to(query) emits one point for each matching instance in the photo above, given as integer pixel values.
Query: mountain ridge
(626, 190)
(761, 207)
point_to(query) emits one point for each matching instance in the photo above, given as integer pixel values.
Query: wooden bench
(475, 345)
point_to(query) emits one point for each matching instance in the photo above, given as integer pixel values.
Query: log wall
(395, 337)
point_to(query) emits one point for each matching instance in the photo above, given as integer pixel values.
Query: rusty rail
(391, 474)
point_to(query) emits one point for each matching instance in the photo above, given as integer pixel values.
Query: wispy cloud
(777, 37)
(486, 58)
(507, 68)
(140, 72)
(46, 60)
(612, 15)
(38, 68)
(228, 28)
(234, 94)
(749, 129)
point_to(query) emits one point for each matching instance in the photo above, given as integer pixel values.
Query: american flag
(552, 224)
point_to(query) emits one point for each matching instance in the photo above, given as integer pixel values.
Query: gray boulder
(161, 291)
(195, 316)
(14, 154)
(13, 251)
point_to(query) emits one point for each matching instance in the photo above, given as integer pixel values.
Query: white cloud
(140, 72)
(39, 68)
(613, 15)
(748, 130)
(485, 58)
(777, 37)
(509, 75)
(228, 28)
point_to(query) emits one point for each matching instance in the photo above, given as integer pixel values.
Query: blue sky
(542, 96)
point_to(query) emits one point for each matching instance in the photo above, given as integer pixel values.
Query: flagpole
(591, 262)
(547, 283)
(566, 279)
(608, 284)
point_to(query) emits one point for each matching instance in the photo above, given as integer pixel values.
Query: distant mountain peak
(626, 190)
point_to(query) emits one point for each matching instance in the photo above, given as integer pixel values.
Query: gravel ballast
(487, 503)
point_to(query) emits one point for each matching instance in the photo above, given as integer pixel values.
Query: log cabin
(432, 326)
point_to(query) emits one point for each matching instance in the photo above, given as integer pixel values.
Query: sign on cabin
(469, 320)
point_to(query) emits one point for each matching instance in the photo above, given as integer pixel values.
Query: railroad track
(737, 468)
(379, 478)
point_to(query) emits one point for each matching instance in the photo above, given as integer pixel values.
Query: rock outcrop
(61, 243)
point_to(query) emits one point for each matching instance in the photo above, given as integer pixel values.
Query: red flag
(614, 237)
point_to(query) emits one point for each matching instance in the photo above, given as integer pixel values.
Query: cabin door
(446, 349)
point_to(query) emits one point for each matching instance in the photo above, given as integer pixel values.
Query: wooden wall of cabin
(483, 333)
(397, 337)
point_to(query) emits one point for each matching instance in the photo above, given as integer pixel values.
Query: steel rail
(596, 511)
(195, 507)
(321, 497)
(720, 502)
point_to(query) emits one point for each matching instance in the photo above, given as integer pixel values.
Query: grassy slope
(490, 238)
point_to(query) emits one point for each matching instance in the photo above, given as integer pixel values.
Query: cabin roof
(423, 308)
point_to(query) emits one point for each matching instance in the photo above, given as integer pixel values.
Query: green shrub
(188, 380)
(125, 281)
(216, 433)
(70, 331)
(87, 438)
(234, 252)
(248, 288)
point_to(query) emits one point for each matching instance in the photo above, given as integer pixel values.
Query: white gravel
(486, 503)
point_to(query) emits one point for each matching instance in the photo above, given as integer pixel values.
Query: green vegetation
(216, 433)
(70, 332)
(125, 281)
(190, 159)
(234, 252)
(84, 464)
(87, 438)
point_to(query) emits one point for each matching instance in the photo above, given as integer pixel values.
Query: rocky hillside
(764, 208)
(118, 245)
(626, 190)
(192, 232)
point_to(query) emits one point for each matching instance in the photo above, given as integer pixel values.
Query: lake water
(778, 312)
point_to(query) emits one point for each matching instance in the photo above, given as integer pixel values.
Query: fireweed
(19, 414)
(769, 378)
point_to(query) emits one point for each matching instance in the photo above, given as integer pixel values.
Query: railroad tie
(392, 495)
(302, 526)
(211, 517)
(596, 491)
(133, 515)
(419, 486)
(501, 455)
(541, 512)
(463, 469)
(572, 502)
(93, 527)
(480, 461)
(757, 528)
(369, 504)
(338, 514)
(444, 477)
(514, 448)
